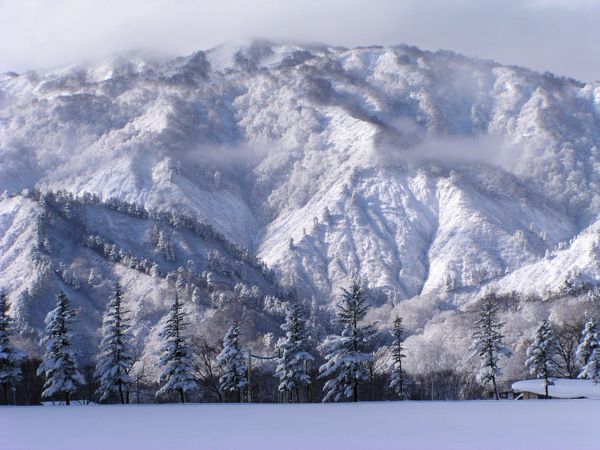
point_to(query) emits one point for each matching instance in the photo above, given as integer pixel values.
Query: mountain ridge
(428, 174)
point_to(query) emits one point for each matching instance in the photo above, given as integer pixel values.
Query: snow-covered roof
(562, 388)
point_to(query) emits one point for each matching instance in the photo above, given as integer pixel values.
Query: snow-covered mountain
(431, 175)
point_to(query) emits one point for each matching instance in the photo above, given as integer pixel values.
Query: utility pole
(431, 387)
(249, 376)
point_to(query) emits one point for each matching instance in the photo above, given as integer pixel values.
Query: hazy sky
(557, 35)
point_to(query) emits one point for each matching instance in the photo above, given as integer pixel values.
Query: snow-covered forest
(352, 364)
(284, 223)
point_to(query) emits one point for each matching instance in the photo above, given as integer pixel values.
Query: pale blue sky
(556, 35)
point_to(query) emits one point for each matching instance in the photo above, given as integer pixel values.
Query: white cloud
(555, 35)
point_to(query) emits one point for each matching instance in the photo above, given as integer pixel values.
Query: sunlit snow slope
(424, 173)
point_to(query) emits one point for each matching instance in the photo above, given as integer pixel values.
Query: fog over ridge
(553, 35)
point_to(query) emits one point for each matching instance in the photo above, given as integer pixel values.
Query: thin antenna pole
(249, 376)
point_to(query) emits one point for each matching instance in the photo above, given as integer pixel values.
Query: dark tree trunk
(181, 396)
(355, 393)
(496, 393)
(67, 399)
(5, 386)
(121, 394)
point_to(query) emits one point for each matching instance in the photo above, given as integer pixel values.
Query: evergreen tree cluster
(232, 362)
(588, 352)
(398, 378)
(343, 366)
(347, 355)
(488, 343)
(59, 364)
(541, 353)
(115, 356)
(176, 358)
(294, 358)
(10, 356)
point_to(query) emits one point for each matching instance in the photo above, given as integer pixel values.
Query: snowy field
(534, 424)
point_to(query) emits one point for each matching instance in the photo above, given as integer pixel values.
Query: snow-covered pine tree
(540, 355)
(196, 296)
(397, 374)
(59, 365)
(346, 355)
(10, 356)
(588, 352)
(488, 343)
(588, 342)
(231, 360)
(293, 359)
(115, 357)
(176, 355)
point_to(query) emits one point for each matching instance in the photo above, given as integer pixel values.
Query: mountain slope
(428, 174)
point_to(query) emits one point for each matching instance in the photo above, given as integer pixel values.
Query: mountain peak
(429, 174)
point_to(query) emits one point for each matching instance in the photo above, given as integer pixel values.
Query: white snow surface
(478, 425)
(562, 388)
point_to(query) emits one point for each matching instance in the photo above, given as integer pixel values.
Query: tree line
(187, 364)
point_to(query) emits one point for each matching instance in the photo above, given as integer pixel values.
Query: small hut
(562, 388)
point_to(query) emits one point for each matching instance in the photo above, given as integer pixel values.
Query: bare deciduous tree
(207, 371)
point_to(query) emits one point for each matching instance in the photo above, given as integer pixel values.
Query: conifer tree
(114, 354)
(10, 357)
(540, 355)
(488, 343)
(196, 296)
(346, 355)
(176, 355)
(292, 363)
(588, 342)
(588, 352)
(231, 360)
(59, 365)
(398, 375)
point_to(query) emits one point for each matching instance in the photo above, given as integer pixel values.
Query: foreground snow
(415, 425)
